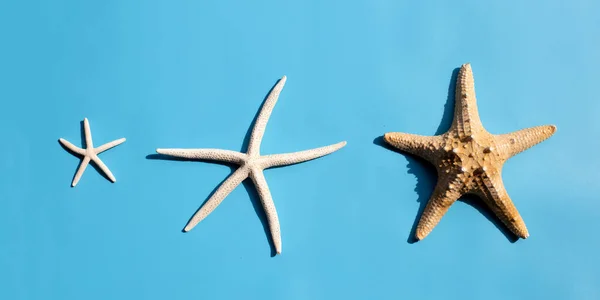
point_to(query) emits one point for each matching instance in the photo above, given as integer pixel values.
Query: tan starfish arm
(420, 145)
(109, 145)
(446, 192)
(84, 163)
(224, 189)
(206, 154)
(263, 117)
(267, 202)
(466, 116)
(286, 159)
(492, 191)
(511, 144)
(104, 168)
(88, 134)
(72, 147)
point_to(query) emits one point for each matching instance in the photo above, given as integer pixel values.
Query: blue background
(193, 74)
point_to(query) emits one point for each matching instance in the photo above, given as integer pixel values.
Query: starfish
(469, 160)
(251, 164)
(90, 153)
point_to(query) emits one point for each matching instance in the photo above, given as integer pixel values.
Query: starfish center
(470, 157)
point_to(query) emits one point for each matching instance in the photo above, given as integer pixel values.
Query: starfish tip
(388, 137)
(419, 236)
(282, 81)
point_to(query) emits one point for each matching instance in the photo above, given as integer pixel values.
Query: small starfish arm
(222, 191)
(492, 191)
(84, 163)
(109, 145)
(466, 116)
(511, 144)
(88, 134)
(418, 145)
(263, 117)
(103, 167)
(72, 147)
(205, 154)
(446, 192)
(269, 207)
(286, 159)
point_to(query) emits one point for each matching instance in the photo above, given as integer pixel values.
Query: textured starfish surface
(469, 160)
(251, 165)
(90, 153)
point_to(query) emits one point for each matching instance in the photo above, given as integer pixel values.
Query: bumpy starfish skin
(251, 165)
(469, 160)
(90, 153)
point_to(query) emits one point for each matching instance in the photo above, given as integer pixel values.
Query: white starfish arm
(286, 159)
(109, 145)
(84, 163)
(269, 206)
(88, 134)
(224, 189)
(206, 154)
(104, 168)
(71, 147)
(263, 117)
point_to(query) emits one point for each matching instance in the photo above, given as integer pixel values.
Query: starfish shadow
(83, 146)
(426, 173)
(247, 183)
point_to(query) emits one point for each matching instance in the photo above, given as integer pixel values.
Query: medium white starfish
(90, 153)
(251, 165)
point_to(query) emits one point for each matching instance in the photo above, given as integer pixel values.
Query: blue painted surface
(193, 74)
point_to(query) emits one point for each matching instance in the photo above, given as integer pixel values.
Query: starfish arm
(466, 116)
(446, 192)
(84, 163)
(109, 145)
(492, 191)
(263, 117)
(267, 202)
(71, 147)
(419, 145)
(88, 134)
(222, 191)
(104, 169)
(286, 159)
(511, 144)
(206, 154)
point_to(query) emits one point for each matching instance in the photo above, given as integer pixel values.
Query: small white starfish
(251, 165)
(90, 153)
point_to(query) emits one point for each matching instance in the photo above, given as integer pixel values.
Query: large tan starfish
(469, 160)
